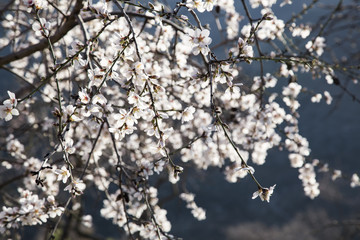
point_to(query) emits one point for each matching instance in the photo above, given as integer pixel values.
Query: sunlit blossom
(264, 193)
(76, 187)
(7, 112)
(63, 174)
(114, 92)
(188, 114)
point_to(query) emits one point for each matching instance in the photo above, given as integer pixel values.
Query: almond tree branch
(69, 24)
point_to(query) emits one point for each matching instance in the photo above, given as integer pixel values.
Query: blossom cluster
(198, 212)
(307, 176)
(200, 41)
(31, 211)
(125, 96)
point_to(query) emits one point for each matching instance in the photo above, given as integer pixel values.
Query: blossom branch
(58, 35)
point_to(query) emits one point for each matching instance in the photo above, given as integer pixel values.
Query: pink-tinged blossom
(237, 170)
(225, 74)
(329, 79)
(7, 112)
(201, 49)
(247, 51)
(138, 67)
(84, 96)
(76, 45)
(137, 101)
(38, 4)
(290, 93)
(264, 193)
(135, 72)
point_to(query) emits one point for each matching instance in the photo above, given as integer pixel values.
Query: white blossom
(264, 193)
(63, 174)
(188, 114)
(162, 94)
(355, 180)
(198, 212)
(327, 97)
(7, 112)
(316, 46)
(76, 187)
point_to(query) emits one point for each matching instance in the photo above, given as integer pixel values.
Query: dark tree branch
(69, 24)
